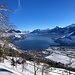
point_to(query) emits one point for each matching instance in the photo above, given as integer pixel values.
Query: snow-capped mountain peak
(72, 25)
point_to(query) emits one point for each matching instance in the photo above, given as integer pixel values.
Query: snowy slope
(67, 40)
(28, 69)
(58, 58)
(65, 57)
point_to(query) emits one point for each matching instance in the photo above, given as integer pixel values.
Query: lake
(35, 42)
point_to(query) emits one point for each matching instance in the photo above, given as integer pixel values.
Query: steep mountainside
(67, 40)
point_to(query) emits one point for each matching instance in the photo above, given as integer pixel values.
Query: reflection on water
(35, 42)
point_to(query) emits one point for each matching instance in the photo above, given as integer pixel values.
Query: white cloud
(19, 7)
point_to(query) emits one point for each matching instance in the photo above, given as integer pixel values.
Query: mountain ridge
(57, 29)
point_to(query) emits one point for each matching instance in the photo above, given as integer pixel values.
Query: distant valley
(43, 38)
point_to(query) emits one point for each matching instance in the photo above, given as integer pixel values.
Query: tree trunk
(34, 68)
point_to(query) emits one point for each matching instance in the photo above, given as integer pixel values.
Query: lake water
(35, 42)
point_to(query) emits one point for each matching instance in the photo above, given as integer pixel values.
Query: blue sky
(35, 14)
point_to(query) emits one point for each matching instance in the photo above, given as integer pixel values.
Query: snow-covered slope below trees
(7, 69)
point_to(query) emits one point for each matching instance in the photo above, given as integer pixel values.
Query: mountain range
(62, 35)
(57, 30)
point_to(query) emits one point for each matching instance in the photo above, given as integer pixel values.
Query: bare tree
(4, 20)
(70, 55)
(23, 64)
(45, 68)
(1, 53)
(5, 24)
(35, 61)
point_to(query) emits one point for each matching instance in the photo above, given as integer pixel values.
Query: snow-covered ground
(65, 57)
(58, 58)
(7, 69)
